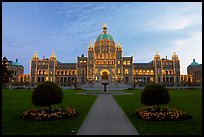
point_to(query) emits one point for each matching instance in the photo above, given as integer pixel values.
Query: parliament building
(105, 62)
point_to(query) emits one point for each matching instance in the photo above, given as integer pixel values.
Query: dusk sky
(142, 28)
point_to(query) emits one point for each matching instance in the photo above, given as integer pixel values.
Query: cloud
(189, 49)
(177, 17)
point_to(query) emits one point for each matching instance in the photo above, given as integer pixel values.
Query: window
(39, 72)
(90, 62)
(73, 73)
(90, 71)
(124, 62)
(61, 72)
(126, 79)
(171, 79)
(118, 71)
(118, 61)
(61, 80)
(38, 79)
(128, 62)
(166, 72)
(126, 71)
(43, 79)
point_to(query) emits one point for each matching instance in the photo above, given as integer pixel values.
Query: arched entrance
(104, 74)
(104, 78)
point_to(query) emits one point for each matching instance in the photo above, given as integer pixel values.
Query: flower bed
(43, 115)
(164, 114)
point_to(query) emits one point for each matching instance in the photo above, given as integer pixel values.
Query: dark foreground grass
(15, 102)
(190, 101)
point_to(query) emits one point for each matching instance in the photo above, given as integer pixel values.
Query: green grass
(189, 101)
(15, 102)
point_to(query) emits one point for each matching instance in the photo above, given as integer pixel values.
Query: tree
(47, 94)
(154, 94)
(6, 74)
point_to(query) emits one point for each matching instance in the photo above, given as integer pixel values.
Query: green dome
(15, 63)
(194, 63)
(104, 36)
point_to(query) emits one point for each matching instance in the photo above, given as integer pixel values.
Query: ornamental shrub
(47, 94)
(154, 94)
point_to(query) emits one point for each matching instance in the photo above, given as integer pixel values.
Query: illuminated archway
(104, 73)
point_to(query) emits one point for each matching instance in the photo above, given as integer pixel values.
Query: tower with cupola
(90, 63)
(176, 69)
(119, 63)
(34, 68)
(157, 68)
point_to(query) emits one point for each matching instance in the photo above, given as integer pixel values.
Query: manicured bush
(154, 94)
(47, 94)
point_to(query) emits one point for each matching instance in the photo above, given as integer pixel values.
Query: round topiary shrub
(47, 94)
(154, 94)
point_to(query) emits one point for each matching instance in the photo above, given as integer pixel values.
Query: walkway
(106, 118)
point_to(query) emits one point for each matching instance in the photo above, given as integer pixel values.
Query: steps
(99, 86)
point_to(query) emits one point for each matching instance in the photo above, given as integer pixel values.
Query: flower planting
(45, 115)
(164, 114)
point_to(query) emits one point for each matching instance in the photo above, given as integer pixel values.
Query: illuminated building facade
(16, 70)
(105, 62)
(194, 71)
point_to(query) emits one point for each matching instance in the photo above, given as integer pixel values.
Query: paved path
(106, 118)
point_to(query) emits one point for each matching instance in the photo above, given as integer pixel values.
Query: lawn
(189, 101)
(15, 102)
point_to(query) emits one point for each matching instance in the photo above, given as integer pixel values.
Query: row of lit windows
(104, 62)
(167, 72)
(143, 72)
(104, 56)
(69, 72)
(45, 72)
(83, 62)
(126, 62)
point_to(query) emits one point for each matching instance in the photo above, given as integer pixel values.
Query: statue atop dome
(105, 28)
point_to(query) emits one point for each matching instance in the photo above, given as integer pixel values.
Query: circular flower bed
(164, 114)
(57, 114)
